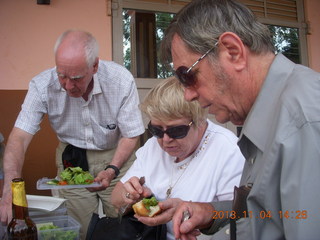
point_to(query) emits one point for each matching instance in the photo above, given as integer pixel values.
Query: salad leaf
(73, 176)
(53, 182)
(148, 202)
(56, 233)
(47, 226)
(66, 174)
(76, 176)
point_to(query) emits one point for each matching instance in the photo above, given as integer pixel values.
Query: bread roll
(140, 209)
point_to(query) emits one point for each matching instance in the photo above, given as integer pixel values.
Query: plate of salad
(71, 177)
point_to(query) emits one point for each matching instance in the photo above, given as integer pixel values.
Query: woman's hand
(167, 207)
(134, 190)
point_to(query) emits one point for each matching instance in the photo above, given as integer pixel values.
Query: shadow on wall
(40, 156)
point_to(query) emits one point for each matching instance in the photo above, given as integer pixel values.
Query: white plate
(44, 202)
(42, 185)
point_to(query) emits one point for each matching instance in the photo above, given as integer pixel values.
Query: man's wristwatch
(116, 170)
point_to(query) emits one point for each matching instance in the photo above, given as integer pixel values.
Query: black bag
(130, 228)
(75, 157)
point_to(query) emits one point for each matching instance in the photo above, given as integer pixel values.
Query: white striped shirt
(113, 102)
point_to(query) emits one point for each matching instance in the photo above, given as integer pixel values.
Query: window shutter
(284, 10)
(170, 2)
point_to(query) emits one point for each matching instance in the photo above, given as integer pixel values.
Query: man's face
(213, 86)
(74, 74)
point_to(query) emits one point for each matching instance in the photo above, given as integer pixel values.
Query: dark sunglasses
(188, 77)
(177, 132)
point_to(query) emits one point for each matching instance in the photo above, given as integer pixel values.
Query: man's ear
(233, 49)
(95, 65)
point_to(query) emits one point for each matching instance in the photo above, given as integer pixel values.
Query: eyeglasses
(185, 75)
(177, 132)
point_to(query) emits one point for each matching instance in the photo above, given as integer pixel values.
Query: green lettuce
(149, 202)
(76, 176)
(55, 233)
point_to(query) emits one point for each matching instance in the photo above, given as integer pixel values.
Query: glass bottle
(21, 226)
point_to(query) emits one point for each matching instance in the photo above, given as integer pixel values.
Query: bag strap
(93, 222)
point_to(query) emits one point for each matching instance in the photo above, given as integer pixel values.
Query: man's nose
(68, 83)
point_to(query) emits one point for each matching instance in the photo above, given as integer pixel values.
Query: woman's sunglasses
(177, 132)
(185, 75)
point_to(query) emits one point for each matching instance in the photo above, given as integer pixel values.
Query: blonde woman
(188, 158)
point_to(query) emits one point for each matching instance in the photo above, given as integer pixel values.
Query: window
(142, 33)
(143, 23)
(286, 21)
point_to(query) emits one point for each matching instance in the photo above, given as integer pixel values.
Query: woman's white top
(209, 174)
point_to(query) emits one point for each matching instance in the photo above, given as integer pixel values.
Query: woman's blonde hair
(166, 102)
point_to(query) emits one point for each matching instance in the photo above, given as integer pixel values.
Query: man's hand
(123, 152)
(6, 208)
(200, 217)
(105, 177)
(13, 159)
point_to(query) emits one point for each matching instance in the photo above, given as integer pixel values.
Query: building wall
(312, 10)
(28, 32)
(27, 35)
(40, 156)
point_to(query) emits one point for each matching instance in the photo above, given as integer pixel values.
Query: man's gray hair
(90, 44)
(201, 22)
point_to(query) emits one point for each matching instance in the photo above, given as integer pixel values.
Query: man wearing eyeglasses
(226, 61)
(92, 106)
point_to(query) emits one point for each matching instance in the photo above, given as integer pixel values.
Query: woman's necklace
(184, 167)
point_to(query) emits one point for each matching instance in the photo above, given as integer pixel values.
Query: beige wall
(28, 32)
(312, 9)
(27, 35)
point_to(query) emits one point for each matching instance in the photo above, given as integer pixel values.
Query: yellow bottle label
(19, 194)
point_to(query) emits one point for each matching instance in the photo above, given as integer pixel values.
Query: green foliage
(162, 22)
(286, 41)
